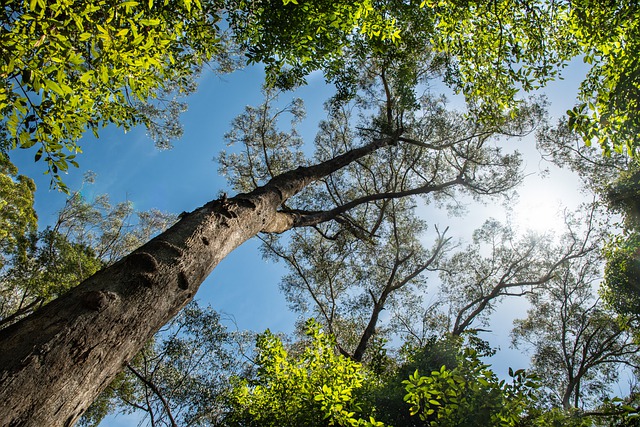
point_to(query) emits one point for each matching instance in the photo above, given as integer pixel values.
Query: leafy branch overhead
(360, 253)
(68, 67)
(492, 51)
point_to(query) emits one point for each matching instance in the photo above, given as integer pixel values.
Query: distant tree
(578, 345)
(362, 252)
(621, 287)
(498, 264)
(348, 282)
(52, 266)
(87, 236)
(613, 180)
(180, 378)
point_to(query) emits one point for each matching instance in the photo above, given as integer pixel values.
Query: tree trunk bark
(569, 393)
(55, 362)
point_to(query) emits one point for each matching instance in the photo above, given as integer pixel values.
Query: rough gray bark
(54, 362)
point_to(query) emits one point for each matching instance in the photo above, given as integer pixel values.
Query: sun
(539, 214)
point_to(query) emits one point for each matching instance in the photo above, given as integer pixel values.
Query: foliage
(314, 388)
(621, 288)
(387, 394)
(295, 38)
(481, 42)
(498, 48)
(470, 394)
(489, 50)
(69, 66)
(17, 215)
(609, 36)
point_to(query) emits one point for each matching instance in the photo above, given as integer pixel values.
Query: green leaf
(149, 22)
(52, 85)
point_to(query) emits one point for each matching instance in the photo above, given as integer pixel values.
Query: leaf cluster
(608, 33)
(70, 66)
(470, 394)
(313, 388)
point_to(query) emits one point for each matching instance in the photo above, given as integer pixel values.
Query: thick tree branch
(300, 218)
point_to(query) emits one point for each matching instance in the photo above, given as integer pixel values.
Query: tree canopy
(69, 67)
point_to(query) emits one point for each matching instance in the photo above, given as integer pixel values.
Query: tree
(578, 344)
(55, 361)
(498, 265)
(614, 180)
(86, 236)
(371, 257)
(313, 388)
(68, 67)
(140, 293)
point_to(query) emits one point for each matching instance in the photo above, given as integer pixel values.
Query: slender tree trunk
(570, 392)
(55, 362)
(358, 354)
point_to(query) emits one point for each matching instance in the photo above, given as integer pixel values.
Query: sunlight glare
(540, 214)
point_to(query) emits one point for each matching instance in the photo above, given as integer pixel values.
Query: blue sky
(129, 167)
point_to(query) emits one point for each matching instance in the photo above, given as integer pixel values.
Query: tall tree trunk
(55, 362)
(570, 393)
